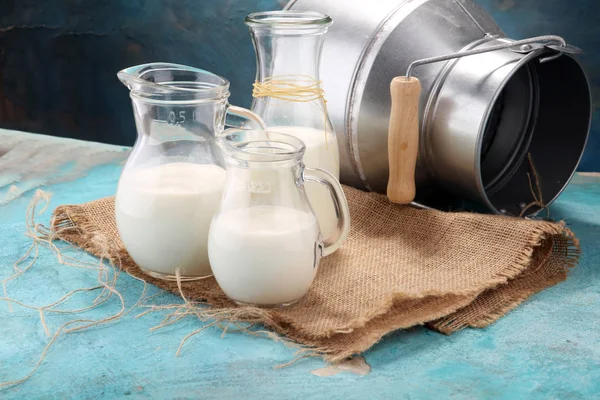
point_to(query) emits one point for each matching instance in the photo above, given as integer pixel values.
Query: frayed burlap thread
(400, 267)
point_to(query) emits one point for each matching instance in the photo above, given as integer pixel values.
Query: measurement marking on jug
(174, 119)
(257, 187)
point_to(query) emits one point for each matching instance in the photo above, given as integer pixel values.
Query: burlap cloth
(400, 267)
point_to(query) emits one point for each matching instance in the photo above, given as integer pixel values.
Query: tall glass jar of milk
(289, 97)
(173, 180)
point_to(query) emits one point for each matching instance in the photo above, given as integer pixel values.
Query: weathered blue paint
(58, 59)
(548, 348)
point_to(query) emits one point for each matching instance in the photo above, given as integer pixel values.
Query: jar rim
(288, 19)
(253, 145)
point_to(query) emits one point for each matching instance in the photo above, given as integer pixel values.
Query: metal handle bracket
(553, 42)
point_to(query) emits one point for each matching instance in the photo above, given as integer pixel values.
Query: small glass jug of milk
(172, 182)
(264, 243)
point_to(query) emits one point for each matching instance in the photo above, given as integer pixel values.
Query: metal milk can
(502, 123)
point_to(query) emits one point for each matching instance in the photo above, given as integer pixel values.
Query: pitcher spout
(175, 81)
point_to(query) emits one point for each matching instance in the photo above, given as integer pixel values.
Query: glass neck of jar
(235, 164)
(272, 178)
(199, 121)
(285, 52)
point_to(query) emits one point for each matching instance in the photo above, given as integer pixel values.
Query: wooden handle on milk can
(403, 139)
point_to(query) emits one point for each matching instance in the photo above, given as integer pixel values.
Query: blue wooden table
(548, 348)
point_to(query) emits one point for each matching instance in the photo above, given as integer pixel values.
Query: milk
(265, 255)
(163, 215)
(323, 154)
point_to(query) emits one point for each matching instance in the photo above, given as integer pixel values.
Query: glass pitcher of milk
(288, 94)
(264, 243)
(172, 182)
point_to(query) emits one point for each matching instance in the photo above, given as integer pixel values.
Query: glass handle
(342, 211)
(239, 117)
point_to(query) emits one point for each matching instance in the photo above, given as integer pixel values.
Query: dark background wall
(58, 58)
